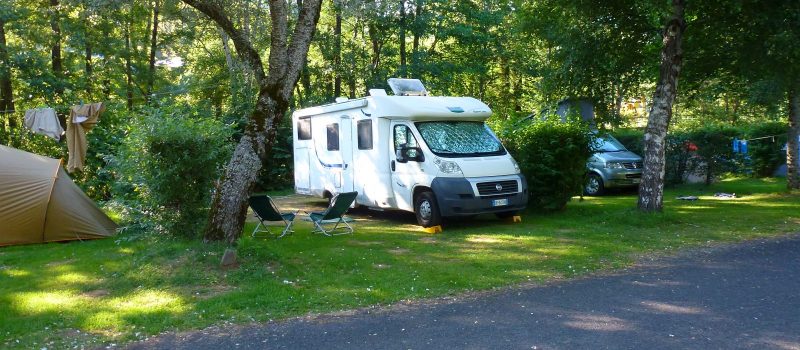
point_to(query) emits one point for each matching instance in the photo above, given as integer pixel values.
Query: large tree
(287, 56)
(651, 190)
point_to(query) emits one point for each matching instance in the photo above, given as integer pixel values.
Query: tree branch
(243, 46)
(301, 40)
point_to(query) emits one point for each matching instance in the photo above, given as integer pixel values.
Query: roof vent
(407, 87)
(377, 92)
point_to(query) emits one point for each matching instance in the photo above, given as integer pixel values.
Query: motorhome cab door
(403, 164)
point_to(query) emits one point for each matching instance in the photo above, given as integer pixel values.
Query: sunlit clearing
(73, 277)
(149, 301)
(483, 239)
(15, 272)
(39, 302)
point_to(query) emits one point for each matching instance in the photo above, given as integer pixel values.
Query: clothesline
(763, 137)
(179, 91)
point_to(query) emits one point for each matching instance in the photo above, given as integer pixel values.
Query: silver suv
(611, 166)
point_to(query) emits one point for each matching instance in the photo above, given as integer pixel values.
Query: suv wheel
(594, 185)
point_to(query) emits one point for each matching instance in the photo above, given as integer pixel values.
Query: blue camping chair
(334, 215)
(266, 210)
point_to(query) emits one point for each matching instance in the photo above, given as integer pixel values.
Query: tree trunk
(286, 61)
(403, 38)
(151, 73)
(337, 51)
(651, 190)
(227, 50)
(6, 88)
(792, 160)
(375, 62)
(128, 67)
(55, 49)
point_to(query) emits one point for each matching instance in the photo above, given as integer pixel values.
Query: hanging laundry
(43, 121)
(83, 118)
(80, 113)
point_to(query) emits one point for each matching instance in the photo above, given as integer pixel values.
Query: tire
(594, 185)
(427, 210)
(505, 214)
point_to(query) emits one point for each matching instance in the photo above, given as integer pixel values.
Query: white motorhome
(430, 155)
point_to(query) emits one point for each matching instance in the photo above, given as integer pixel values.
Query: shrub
(552, 155)
(767, 154)
(167, 166)
(714, 150)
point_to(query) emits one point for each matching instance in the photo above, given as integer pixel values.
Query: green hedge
(552, 155)
(167, 166)
(714, 154)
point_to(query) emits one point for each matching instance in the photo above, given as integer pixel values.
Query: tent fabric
(40, 203)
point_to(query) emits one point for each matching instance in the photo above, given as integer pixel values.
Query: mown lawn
(126, 288)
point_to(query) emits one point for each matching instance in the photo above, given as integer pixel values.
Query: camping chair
(265, 210)
(334, 215)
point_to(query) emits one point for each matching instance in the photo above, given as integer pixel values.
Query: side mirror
(413, 154)
(405, 154)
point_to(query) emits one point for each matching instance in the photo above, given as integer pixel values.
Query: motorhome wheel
(427, 210)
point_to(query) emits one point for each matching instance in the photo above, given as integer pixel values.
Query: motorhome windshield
(609, 144)
(460, 139)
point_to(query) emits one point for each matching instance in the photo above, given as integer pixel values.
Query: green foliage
(714, 143)
(767, 154)
(714, 150)
(552, 155)
(168, 164)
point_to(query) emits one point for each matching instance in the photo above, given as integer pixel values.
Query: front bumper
(459, 196)
(621, 177)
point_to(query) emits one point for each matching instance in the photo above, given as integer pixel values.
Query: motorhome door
(403, 169)
(347, 140)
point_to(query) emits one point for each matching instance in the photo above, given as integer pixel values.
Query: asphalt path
(744, 296)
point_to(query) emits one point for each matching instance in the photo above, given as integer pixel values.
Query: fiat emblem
(498, 187)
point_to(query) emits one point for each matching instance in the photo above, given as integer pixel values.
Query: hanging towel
(43, 121)
(76, 132)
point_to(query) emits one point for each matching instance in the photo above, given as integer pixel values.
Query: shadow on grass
(127, 289)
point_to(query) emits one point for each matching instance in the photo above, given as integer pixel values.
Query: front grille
(632, 165)
(633, 176)
(490, 188)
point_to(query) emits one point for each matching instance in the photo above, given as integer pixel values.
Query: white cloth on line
(44, 121)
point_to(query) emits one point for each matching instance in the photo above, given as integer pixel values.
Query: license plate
(636, 181)
(500, 202)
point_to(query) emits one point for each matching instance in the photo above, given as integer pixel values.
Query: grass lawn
(126, 288)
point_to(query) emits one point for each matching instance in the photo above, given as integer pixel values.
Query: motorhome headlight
(516, 166)
(448, 167)
(614, 165)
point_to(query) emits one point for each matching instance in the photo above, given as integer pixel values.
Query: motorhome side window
(365, 134)
(333, 137)
(304, 129)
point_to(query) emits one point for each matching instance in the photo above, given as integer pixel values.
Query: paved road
(744, 296)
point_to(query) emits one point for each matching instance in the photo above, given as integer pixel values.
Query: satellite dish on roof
(407, 87)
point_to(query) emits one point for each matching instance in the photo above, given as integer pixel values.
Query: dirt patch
(212, 291)
(399, 251)
(97, 293)
(428, 240)
(60, 263)
(364, 243)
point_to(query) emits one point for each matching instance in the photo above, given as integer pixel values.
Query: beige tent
(40, 203)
